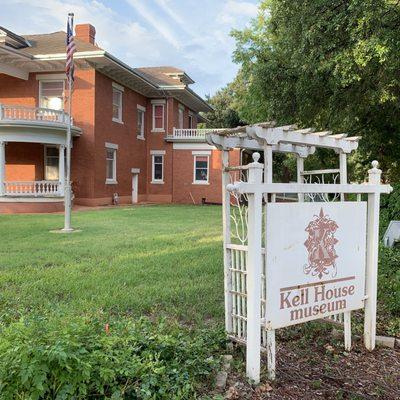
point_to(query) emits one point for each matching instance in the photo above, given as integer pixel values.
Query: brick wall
(92, 112)
(131, 151)
(185, 191)
(24, 162)
(14, 91)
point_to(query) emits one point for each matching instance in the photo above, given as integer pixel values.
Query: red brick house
(134, 129)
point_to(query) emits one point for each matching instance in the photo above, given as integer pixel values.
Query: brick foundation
(21, 207)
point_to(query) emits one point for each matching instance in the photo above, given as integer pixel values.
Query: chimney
(85, 32)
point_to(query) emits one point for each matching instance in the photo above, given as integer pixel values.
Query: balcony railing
(198, 135)
(33, 188)
(36, 114)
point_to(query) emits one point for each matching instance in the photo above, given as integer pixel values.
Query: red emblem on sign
(320, 245)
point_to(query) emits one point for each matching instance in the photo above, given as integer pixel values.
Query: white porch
(19, 126)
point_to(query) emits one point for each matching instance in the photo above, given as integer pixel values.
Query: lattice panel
(238, 279)
(238, 270)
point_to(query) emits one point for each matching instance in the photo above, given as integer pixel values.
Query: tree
(225, 114)
(329, 64)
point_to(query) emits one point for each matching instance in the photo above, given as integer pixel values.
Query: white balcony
(32, 189)
(189, 135)
(12, 113)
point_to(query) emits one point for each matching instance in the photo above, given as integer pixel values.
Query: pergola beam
(273, 136)
(243, 142)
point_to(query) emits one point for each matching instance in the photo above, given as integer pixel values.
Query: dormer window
(13, 40)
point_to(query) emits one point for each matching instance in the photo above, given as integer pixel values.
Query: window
(51, 160)
(51, 94)
(157, 175)
(158, 117)
(117, 105)
(140, 122)
(180, 117)
(200, 173)
(191, 121)
(111, 163)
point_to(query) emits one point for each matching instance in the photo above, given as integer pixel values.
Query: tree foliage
(327, 64)
(225, 108)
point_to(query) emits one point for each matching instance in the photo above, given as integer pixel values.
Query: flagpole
(68, 194)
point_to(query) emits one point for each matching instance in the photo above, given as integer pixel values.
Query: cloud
(190, 34)
(159, 25)
(234, 11)
(166, 7)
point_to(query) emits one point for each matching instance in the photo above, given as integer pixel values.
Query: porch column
(2, 167)
(61, 169)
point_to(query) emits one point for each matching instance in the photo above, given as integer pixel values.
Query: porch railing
(33, 188)
(22, 113)
(190, 134)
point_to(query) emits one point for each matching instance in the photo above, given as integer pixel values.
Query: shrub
(79, 359)
(389, 279)
(390, 207)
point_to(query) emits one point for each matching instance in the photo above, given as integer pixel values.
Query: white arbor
(248, 266)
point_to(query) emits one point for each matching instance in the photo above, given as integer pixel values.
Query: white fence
(22, 113)
(33, 188)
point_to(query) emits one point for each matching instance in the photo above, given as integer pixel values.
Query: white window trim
(153, 117)
(195, 155)
(153, 154)
(112, 146)
(118, 89)
(158, 101)
(41, 81)
(157, 152)
(50, 77)
(201, 153)
(143, 110)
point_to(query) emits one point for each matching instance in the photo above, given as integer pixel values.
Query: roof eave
(205, 107)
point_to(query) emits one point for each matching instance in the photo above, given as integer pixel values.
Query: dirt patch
(318, 368)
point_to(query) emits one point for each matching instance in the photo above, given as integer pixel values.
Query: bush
(389, 279)
(80, 359)
(390, 207)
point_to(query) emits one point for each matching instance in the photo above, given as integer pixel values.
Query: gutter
(189, 91)
(121, 64)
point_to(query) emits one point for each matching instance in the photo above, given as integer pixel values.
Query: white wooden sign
(315, 260)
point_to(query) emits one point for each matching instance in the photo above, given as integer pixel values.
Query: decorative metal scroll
(321, 177)
(239, 209)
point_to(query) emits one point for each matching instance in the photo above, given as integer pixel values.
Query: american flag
(71, 48)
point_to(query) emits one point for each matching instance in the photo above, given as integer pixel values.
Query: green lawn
(156, 260)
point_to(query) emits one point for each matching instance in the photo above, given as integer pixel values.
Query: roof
(44, 52)
(161, 76)
(54, 43)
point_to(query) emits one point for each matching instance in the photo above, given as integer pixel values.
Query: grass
(153, 260)
(157, 260)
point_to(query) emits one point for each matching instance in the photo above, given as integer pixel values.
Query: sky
(189, 34)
